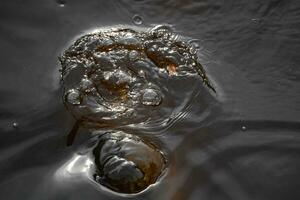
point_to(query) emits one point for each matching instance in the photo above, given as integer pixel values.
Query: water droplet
(244, 128)
(151, 97)
(137, 20)
(73, 97)
(15, 125)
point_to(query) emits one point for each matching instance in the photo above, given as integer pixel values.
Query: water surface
(240, 143)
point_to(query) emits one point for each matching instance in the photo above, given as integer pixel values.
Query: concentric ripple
(123, 76)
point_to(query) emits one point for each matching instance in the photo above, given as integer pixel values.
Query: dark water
(240, 143)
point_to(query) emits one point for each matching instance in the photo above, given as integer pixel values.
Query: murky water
(241, 142)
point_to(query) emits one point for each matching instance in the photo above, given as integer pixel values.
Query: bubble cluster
(115, 74)
(127, 164)
(123, 76)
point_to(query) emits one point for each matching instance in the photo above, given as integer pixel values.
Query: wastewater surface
(156, 100)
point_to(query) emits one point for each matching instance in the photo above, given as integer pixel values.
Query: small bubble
(97, 178)
(133, 55)
(142, 73)
(255, 20)
(86, 84)
(244, 128)
(128, 40)
(255, 23)
(119, 77)
(137, 20)
(151, 97)
(73, 97)
(15, 125)
(162, 28)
